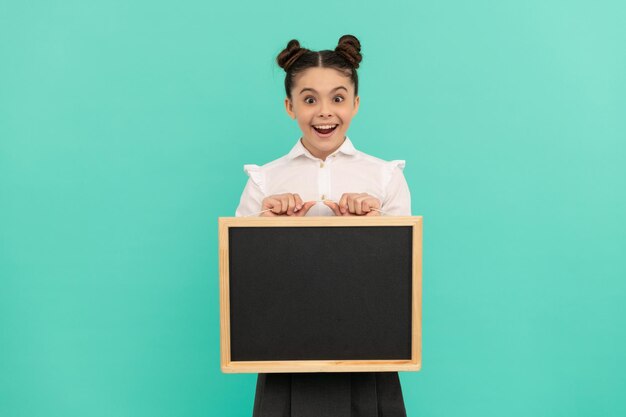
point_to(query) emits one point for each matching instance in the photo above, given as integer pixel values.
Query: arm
(397, 201)
(254, 202)
(251, 200)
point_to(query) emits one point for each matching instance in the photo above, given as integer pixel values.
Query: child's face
(322, 97)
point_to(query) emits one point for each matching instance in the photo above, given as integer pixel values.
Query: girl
(324, 175)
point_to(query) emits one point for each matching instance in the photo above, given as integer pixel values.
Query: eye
(309, 100)
(340, 99)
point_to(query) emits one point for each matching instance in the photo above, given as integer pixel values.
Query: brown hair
(345, 58)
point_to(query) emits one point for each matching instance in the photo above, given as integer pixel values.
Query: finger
(268, 214)
(358, 204)
(354, 203)
(351, 203)
(374, 203)
(305, 208)
(278, 208)
(334, 207)
(298, 200)
(369, 203)
(273, 204)
(284, 201)
(291, 204)
(365, 207)
(343, 203)
(373, 213)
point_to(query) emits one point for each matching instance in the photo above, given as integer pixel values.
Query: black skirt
(357, 394)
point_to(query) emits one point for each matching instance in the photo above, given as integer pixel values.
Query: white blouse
(347, 170)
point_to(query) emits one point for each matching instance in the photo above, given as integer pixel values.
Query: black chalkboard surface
(320, 294)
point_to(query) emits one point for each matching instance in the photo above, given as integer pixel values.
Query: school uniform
(347, 170)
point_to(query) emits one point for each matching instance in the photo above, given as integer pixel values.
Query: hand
(355, 204)
(285, 205)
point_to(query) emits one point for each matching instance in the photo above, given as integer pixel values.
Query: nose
(324, 109)
(325, 113)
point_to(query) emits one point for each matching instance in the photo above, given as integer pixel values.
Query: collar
(346, 148)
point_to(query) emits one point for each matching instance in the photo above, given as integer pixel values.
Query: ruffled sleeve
(256, 175)
(389, 168)
(397, 200)
(253, 194)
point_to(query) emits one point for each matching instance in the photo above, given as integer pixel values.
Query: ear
(289, 108)
(357, 101)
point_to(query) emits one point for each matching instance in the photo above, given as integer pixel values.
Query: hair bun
(290, 54)
(349, 47)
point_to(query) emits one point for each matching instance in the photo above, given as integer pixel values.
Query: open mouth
(325, 129)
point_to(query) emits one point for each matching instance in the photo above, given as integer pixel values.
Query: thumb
(334, 207)
(305, 208)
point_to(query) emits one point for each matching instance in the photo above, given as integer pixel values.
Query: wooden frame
(229, 366)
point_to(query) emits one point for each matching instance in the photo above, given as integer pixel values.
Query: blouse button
(321, 165)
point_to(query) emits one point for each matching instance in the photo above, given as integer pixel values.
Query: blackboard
(320, 294)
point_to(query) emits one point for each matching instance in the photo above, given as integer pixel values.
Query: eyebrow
(313, 90)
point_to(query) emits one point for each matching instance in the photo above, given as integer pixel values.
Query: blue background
(124, 127)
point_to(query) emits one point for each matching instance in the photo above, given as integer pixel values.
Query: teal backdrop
(124, 126)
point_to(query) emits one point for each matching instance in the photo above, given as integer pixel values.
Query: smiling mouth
(325, 129)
